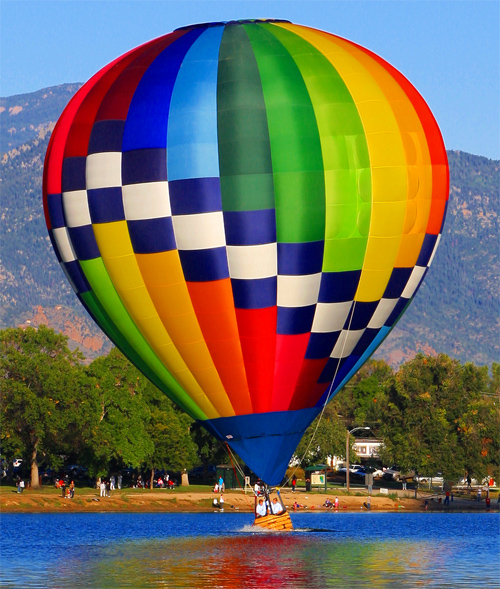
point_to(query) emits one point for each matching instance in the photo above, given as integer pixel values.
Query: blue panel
(204, 265)
(321, 344)
(397, 282)
(56, 212)
(255, 294)
(379, 338)
(151, 236)
(147, 117)
(338, 287)
(332, 367)
(83, 242)
(73, 174)
(364, 341)
(195, 195)
(192, 130)
(360, 315)
(144, 165)
(106, 204)
(76, 277)
(297, 259)
(250, 227)
(106, 136)
(295, 320)
(427, 249)
(398, 309)
(264, 441)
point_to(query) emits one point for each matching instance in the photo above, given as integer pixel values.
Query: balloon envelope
(246, 209)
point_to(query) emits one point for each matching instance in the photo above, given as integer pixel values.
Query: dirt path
(136, 500)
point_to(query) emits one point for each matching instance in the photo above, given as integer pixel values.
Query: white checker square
(149, 200)
(346, 343)
(330, 317)
(413, 282)
(252, 261)
(199, 231)
(104, 170)
(384, 308)
(298, 291)
(64, 246)
(76, 208)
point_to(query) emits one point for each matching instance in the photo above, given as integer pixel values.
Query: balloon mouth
(245, 21)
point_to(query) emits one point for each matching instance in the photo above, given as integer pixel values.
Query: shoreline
(179, 501)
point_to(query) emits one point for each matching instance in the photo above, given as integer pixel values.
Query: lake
(222, 550)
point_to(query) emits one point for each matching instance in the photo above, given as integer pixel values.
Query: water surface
(222, 550)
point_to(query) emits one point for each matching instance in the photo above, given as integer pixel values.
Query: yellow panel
(386, 150)
(374, 285)
(382, 253)
(124, 272)
(137, 301)
(153, 331)
(362, 86)
(387, 219)
(377, 116)
(390, 183)
(113, 239)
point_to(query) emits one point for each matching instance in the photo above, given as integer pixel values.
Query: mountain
(456, 311)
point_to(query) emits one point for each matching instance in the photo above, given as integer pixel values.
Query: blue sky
(450, 50)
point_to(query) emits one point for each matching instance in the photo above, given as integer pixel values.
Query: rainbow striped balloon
(246, 209)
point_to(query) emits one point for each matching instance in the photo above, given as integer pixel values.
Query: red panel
(257, 328)
(308, 377)
(290, 352)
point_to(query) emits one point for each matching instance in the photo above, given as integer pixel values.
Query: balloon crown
(245, 21)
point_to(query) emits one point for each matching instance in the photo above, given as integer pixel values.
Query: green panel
(344, 152)
(105, 293)
(243, 136)
(295, 143)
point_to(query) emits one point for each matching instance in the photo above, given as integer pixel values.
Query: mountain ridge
(456, 311)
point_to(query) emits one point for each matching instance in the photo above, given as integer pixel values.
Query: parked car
(375, 472)
(436, 480)
(396, 473)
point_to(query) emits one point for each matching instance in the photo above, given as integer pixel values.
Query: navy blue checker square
(338, 287)
(73, 174)
(83, 242)
(195, 195)
(360, 315)
(295, 320)
(106, 204)
(427, 249)
(258, 293)
(204, 265)
(331, 370)
(56, 213)
(364, 341)
(151, 236)
(55, 247)
(397, 312)
(298, 259)
(144, 165)
(76, 276)
(397, 282)
(250, 227)
(321, 344)
(106, 136)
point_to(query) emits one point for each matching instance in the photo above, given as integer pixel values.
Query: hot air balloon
(246, 209)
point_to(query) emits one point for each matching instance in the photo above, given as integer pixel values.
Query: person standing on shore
(294, 483)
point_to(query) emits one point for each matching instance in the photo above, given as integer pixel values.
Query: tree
(169, 431)
(43, 397)
(119, 435)
(322, 440)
